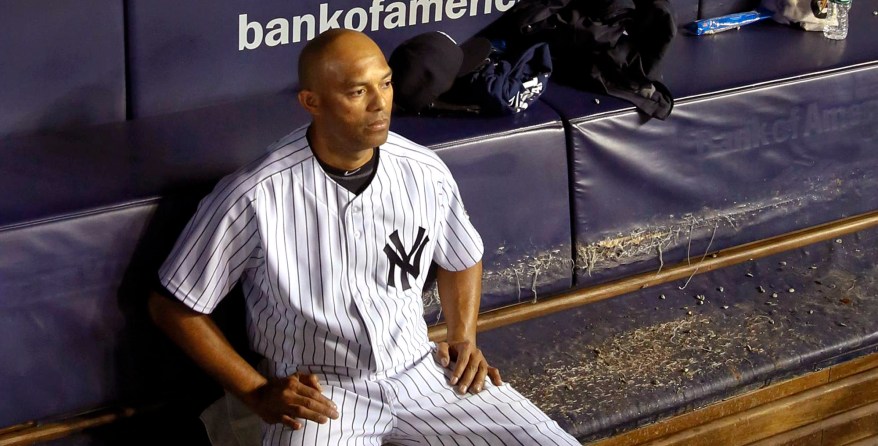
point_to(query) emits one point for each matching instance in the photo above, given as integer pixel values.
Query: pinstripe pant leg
(430, 412)
(364, 419)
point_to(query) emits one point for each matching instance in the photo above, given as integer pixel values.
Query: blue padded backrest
(512, 173)
(751, 150)
(189, 54)
(723, 171)
(88, 216)
(61, 64)
(112, 164)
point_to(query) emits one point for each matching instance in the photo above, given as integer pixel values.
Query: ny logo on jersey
(403, 259)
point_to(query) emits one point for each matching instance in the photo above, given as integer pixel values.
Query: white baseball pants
(418, 407)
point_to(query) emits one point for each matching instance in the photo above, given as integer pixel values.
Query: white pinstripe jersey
(331, 279)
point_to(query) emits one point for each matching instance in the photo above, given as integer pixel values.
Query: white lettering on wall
(278, 32)
(358, 16)
(455, 9)
(244, 28)
(397, 14)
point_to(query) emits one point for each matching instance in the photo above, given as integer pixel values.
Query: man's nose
(379, 101)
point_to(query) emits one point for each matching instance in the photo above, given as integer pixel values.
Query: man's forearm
(460, 295)
(202, 340)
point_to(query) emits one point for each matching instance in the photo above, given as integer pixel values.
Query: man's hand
(284, 400)
(471, 369)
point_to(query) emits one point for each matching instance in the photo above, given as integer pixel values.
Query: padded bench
(773, 130)
(512, 173)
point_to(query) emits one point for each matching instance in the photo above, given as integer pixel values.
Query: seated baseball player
(331, 235)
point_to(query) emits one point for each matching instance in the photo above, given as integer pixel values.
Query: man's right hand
(287, 400)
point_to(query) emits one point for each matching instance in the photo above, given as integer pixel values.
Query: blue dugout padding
(63, 65)
(746, 154)
(512, 173)
(81, 241)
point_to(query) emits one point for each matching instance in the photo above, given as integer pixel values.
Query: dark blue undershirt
(355, 180)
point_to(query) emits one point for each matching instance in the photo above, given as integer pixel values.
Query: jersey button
(356, 209)
(357, 234)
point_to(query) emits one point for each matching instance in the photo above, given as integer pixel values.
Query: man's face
(355, 96)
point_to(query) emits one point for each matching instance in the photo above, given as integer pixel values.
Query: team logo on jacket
(408, 261)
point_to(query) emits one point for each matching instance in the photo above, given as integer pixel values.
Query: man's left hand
(471, 368)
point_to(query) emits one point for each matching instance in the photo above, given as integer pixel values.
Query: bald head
(346, 86)
(331, 47)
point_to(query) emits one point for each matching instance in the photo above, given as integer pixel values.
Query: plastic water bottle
(836, 27)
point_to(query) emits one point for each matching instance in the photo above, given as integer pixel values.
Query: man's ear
(309, 101)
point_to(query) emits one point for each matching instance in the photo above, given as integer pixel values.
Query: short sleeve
(216, 247)
(459, 245)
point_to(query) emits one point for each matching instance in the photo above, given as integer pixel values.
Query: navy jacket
(609, 46)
